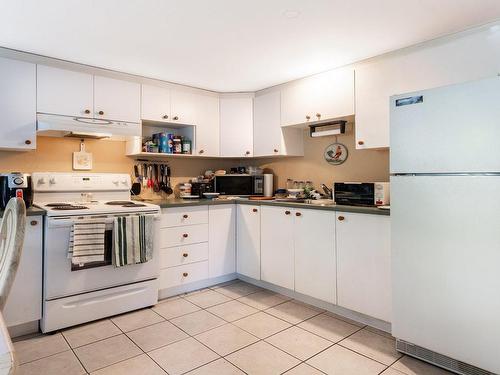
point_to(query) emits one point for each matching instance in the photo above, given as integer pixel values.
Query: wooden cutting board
(260, 198)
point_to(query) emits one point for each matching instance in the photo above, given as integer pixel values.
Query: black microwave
(242, 185)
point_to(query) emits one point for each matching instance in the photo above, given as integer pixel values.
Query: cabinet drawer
(185, 235)
(178, 216)
(179, 255)
(188, 273)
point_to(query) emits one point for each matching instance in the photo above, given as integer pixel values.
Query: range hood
(81, 127)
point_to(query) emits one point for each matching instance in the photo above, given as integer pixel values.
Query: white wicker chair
(11, 245)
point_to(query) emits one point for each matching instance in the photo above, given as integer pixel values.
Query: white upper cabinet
(183, 107)
(269, 137)
(236, 125)
(322, 96)
(207, 125)
(64, 92)
(364, 264)
(17, 105)
(439, 63)
(155, 103)
(116, 99)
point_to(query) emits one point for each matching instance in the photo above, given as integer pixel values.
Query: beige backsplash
(55, 155)
(361, 165)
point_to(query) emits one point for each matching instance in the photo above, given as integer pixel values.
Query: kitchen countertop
(32, 211)
(339, 208)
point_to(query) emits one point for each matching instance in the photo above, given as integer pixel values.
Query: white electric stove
(72, 297)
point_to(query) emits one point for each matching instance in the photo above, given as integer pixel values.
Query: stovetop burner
(67, 207)
(132, 204)
(58, 204)
(119, 203)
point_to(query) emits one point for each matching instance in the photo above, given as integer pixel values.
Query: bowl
(211, 195)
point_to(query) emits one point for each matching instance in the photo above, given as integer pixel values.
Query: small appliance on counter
(199, 188)
(15, 184)
(243, 185)
(361, 193)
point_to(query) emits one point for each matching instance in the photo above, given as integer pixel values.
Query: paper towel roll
(268, 185)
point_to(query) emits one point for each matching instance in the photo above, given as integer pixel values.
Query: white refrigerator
(445, 224)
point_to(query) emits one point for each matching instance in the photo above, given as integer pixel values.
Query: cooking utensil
(168, 189)
(156, 184)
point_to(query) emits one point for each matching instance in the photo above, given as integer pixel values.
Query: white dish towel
(86, 243)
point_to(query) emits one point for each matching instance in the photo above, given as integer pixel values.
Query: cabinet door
(267, 124)
(17, 105)
(183, 107)
(329, 95)
(117, 100)
(24, 303)
(450, 61)
(207, 125)
(236, 125)
(155, 103)
(277, 252)
(332, 94)
(64, 92)
(315, 268)
(221, 240)
(248, 240)
(364, 264)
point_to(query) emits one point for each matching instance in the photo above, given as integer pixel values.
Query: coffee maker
(14, 185)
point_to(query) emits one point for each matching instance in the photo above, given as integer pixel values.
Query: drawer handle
(165, 117)
(34, 222)
(287, 212)
(275, 150)
(298, 214)
(361, 143)
(87, 111)
(254, 210)
(341, 218)
(101, 112)
(185, 274)
(28, 142)
(185, 235)
(308, 117)
(185, 255)
(201, 151)
(176, 118)
(185, 216)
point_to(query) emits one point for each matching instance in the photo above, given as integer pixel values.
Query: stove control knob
(41, 181)
(52, 181)
(124, 182)
(115, 182)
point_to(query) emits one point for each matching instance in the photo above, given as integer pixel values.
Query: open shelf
(161, 155)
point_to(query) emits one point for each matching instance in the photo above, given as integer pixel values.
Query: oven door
(61, 281)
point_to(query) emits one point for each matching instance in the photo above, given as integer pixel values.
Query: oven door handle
(67, 222)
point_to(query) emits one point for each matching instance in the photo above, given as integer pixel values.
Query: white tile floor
(234, 328)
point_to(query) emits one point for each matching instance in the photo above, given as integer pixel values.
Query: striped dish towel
(86, 243)
(133, 239)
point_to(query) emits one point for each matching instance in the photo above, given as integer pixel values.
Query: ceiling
(230, 45)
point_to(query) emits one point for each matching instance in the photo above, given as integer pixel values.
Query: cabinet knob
(287, 212)
(254, 210)
(175, 118)
(361, 143)
(247, 153)
(34, 222)
(185, 274)
(308, 117)
(28, 142)
(185, 255)
(185, 235)
(318, 115)
(298, 214)
(341, 218)
(201, 151)
(101, 112)
(185, 216)
(275, 150)
(87, 111)
(165, 117)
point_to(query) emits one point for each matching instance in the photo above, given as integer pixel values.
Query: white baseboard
(170, 292)
(24, 329)
(346, 313)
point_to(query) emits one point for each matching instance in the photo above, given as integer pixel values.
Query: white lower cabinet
(248, 240)
(24, 303)
(277, 248)
(314, 237)
(364, 264)
(222, 241)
